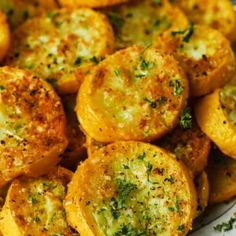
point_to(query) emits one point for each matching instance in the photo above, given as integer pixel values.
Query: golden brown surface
(205, 55)
(134, 94)
(131, 185)
(59, 48)
(35, 206)
(32, 125)
(215, 124)
(18, 11)
(218, 14)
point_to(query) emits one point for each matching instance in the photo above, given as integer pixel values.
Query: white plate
(204, 225)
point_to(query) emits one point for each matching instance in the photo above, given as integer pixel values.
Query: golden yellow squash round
(32, 125)
(135, 94)
(131, 187)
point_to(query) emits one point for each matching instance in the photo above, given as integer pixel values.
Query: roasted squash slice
(190, 145)
(32, 125)
(35, 206)
(214, 13)
(62, 46)
(219, 122)
(131, 187)
(18, 11)
(90, 3)
(135, 94)
(222, 177)
(204, 53)
(4, 36)
(141, 21)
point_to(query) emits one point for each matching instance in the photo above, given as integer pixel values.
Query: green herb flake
(186, 117)
(170, 179)
(177, 88)
(25, 15)
(129, 230)
(2, 88)
(115, 19)
(144, 64)
(187, 33)
(141, 156)
(125, 167)
(32, 199)
(181, 228)
(153, 104)
(94, 60)
(117, 72)
(78, 61)
(225, 226)
(124, 189)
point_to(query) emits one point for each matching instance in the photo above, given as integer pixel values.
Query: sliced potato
(35, 206)
(93, 145)
(134, 94)
(62, 46)
(141, 21)
(90, 3)
(32, 125)
(131, 187)
(18, 11)
(222, 177)
(191, 146)
(202, 188)
(204, 53)
(214, 13)
(4, 35)
(219, 126)
(76, 149)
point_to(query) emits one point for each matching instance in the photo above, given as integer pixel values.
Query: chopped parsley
(115, 19)
(94, 60)
(187, 33)
(177, 88)
(129, 230)
(181, 228)
(141, 156)
(124, 189)
(226, 226)
(78, 61)
(170, 179)
(32, 199)
(175, 208)
(117, 72)
(153, 104)
(186, 117)
(2, 87)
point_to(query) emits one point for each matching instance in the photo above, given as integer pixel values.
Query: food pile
(117, 117)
